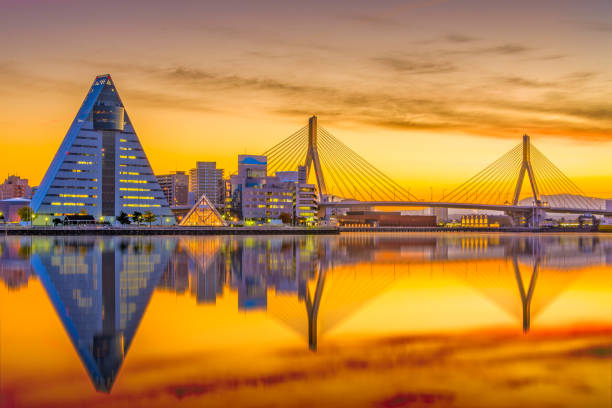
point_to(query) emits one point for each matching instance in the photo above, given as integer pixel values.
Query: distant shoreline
(156, 230)
(193, 231)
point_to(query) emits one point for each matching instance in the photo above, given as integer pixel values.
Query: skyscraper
(207, 179)
(175, 187)
(100, 167)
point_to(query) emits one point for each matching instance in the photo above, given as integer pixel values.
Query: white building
(100, 167)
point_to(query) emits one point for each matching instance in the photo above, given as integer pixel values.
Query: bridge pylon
(526, 167)
(312, 156)
(526, 296)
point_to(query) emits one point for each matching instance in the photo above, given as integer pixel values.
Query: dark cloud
(485, 107)
(548, 57)
(444, 110)
(524, 82)
(416, 66)
(581, 76)
(409, 399)
(459, 38)
(502, 49)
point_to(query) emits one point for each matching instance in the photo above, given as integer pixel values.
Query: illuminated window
(134, 181)
(78, 195)
(138, 198)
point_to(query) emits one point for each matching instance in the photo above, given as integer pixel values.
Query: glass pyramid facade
(203, 214)
(100, 167)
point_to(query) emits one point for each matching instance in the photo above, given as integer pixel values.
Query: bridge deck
(469, 206)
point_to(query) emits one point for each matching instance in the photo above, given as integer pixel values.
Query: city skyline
(442, 100)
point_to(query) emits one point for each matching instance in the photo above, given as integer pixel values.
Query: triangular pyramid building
(203, 213)
(100, 166)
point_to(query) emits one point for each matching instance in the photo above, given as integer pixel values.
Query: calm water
(379, 320)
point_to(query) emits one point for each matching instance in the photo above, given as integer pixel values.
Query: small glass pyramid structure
(100, 168)
(203, 213)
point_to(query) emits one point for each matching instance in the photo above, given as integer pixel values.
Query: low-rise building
(485, 221)
(385, 219)
(15, 187)
(9, 209)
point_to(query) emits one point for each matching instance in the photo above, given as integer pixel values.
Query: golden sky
(428, 91)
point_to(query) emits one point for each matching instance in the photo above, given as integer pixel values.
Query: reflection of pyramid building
(100, 167)
(100, 290)
(203, 213)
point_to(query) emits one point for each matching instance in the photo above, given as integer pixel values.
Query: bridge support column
(536, 217)
(526, 167)
(312, 157)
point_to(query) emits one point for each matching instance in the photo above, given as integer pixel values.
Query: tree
(286, 218)
(57, 221)
(149, 217)
(137, 217)
(25, 214)
(123, 218)
(2, 218)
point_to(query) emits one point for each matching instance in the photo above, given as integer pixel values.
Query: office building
(15, 187)
(441, 214)
(207, 179)
(306, 204)
(257, 196)
(100, 167)
(175, 187)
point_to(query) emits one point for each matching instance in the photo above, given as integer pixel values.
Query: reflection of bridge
(345, 180)
(100, 287)
(321, 282)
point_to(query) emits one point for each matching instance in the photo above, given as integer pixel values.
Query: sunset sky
(430, 92)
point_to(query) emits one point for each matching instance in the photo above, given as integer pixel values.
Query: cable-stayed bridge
(522, 183)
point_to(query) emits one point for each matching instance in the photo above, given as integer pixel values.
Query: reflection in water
(100, 287)
(100, 290)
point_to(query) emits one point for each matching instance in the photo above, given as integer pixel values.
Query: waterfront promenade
(267, 230)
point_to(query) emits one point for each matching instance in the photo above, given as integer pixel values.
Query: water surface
(379, 320)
